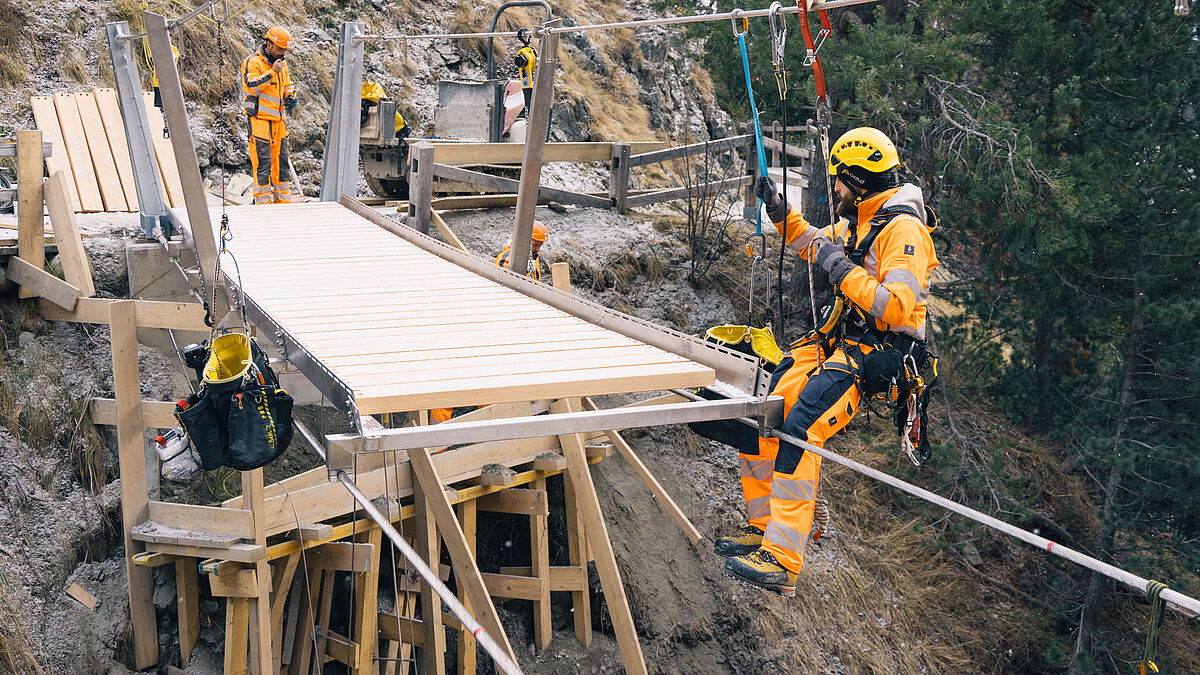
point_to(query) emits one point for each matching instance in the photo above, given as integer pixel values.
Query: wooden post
(420, 190)
(539, 543)
(431, 605)
(776, 154)
(596, 531)
(260, 649)
(467, 513)
(577, 553)
(237, 633)
(465, 570)
(560, 274)
(535, 146)
(76, 269)
(31, 240)
(618, 176)
(302, 647)
(188, 601)
(131, 448)
(366, 608)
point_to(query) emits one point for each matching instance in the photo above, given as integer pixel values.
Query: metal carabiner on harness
(778, 40)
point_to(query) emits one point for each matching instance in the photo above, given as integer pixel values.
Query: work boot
(746, 542)
(761, 569)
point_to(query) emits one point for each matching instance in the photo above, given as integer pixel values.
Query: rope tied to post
(1154, 591)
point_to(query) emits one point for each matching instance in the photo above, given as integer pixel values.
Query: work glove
(290, 102)
(765, 189)
(521, 60)
(831, 258)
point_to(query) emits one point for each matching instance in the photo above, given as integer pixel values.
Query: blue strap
(758, 141)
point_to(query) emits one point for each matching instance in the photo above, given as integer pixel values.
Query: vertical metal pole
(535, 145)
(420, 186)
(618, 179)
(146, 179)
(184, 148)
(339, 175)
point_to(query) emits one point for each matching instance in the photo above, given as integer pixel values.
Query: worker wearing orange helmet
(540, 235)
(268, 95)
(879, 257)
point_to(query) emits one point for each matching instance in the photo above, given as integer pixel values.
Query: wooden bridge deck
(407, 330)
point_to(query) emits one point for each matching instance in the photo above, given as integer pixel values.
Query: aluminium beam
(146, 179)
(339, 173)
(343, 447)
(736, 370)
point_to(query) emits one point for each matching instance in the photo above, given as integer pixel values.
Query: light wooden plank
(82, 596)
(237, 634)
(118, 144)
(76, 267)
(150, 313)
(155, 414)
(539, 542)
(42, 283)
(46, 119)
(428, 547)
(134, 495)
(100, 151)
(233, 522)
(77, 152)
(187, 593)
(30, 224)
(172, 185)
(519, 501)
(344, 557)
(366, 606)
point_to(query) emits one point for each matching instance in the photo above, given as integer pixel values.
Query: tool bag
(240, 418)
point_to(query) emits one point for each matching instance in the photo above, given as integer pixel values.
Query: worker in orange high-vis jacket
(879, 256)
(540, 234)
(268, 95)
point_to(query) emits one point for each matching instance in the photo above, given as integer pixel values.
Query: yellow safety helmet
(372, 92)
(540, 231)
(280, 37)
(864, 159)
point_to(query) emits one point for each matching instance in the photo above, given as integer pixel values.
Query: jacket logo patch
(833, 421)
(909, 249)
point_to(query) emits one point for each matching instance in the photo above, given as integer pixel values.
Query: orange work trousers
(780, 481)
(269, 160)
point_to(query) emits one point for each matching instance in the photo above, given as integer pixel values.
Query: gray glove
(766, 190)
(830, 257)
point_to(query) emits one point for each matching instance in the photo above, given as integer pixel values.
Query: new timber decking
(407, 330)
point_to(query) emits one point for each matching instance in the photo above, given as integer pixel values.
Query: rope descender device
(735, 19)
(778, 40)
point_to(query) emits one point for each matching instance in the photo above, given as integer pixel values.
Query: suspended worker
(268, 97)
(879, 257)
(526, 60)
(540, 235)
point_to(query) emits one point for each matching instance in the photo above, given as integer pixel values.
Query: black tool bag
(240, 418)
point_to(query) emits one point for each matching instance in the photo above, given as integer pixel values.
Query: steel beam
(146, 179)
(339, 174)
(343, 447)
(735, 370)
(185, 150)
(535, 144)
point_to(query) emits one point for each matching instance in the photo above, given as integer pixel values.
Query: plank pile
(89, 147)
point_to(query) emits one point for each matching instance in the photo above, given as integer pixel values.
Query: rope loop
(1154, 591)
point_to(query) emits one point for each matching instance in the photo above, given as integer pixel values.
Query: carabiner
(778, 40)
(736, 15)
(762, 246)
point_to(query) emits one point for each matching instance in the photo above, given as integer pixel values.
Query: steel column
(339, 174)
(535, 145)
(146, 180)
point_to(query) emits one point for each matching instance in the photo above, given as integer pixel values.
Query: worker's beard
(845, 206)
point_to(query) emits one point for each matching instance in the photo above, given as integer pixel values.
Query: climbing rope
(1154, 591)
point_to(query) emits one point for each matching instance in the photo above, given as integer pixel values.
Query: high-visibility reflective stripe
(262, 199)
(784, 537)
(882, 297)
(759, 507)
(793, 490)
(268, 97)
(801, 242)
(916, 333)
(759, 469)
(905, 277)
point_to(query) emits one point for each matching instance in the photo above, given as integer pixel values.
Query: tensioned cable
(638, 23)
(1179, 600)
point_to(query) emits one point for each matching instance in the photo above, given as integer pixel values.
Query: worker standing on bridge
(526, 60)
(540, 235)
(267, 96)
(879, 257)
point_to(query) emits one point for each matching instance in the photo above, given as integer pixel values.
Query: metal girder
(736, 370)
(146, 180)
(343, 447)
(339, 174)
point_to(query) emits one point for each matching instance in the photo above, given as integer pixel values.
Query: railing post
(618, 176)
(420, 186)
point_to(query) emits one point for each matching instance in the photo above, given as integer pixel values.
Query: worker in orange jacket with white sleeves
(879, 257)
(268, 94)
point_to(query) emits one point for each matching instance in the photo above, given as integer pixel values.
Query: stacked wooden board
(407, 330)
(89, 147)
